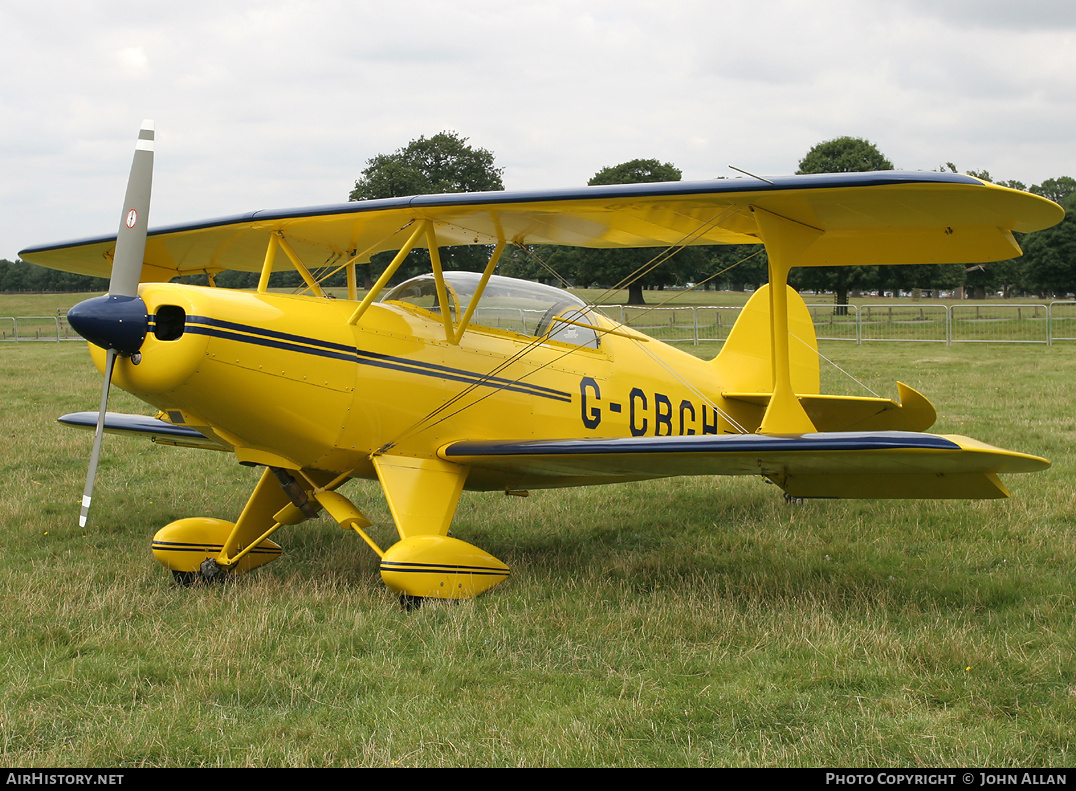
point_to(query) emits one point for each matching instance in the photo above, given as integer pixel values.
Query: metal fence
(36, 328)
(1062, 321)
(677, 324)
(919, 322)
(924, 323)
(1000, 324)
(836, 322)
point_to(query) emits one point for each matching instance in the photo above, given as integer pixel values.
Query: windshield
(516, 305)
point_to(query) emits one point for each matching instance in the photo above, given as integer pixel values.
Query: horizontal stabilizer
(159, 431)
(884, 464)
(913, 412)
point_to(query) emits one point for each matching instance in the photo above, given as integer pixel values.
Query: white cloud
(271, 105)
(133, 61)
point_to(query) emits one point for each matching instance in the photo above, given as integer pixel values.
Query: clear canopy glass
(506, 303)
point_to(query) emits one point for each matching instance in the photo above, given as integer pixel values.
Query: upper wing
(867, 218)
(888, 464)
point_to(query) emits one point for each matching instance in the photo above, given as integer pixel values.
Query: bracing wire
(846, 373)
(424, 423)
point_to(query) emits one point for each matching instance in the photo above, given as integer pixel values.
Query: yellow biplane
(458, 380)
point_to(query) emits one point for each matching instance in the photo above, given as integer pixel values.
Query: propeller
(117, 321)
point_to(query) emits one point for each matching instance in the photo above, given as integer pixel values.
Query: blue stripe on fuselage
(259, 336)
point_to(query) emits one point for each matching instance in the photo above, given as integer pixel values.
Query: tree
(426, 166)
(844, 155)
(637, 171)
(1056, 189)
(1049, 262)
(439, 164)
(22, 276)
(609, 267)
(840, 155)
(739, 266)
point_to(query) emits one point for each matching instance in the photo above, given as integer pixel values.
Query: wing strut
(479, 291)
(267, 264)
(300, 267)
(439, 280)
(786, 242)
(390, 270)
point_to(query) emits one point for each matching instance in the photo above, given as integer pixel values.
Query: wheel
(209, 571)
(184, 579)
(411, 603)
(208, 574)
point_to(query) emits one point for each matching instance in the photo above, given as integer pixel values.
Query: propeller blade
(117, 322)
(95, 454)
(131, 238)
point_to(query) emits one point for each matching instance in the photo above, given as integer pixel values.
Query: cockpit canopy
(518, 306)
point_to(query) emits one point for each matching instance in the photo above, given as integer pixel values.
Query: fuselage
(284, 378)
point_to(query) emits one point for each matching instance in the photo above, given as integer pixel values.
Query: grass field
(689, 622)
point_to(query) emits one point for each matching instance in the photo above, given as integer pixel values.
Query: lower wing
(868, 465)
(160, 431)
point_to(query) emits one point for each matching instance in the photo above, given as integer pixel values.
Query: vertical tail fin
(746, 359)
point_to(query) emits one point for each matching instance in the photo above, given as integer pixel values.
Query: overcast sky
(280, 104)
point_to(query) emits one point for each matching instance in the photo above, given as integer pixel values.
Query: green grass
(27, 304)
(689, 622)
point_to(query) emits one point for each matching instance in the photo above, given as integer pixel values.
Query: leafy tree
(922, 276)
(542, 263)
(1056, 189)
(844, 155)
(740, 265)
(1013, 184)
(23, 276)
(439, 164)
(637, 171)
(984, 175)
(1049, 262)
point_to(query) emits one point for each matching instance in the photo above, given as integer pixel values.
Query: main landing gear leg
(425, 563)
(201, 549)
